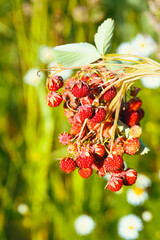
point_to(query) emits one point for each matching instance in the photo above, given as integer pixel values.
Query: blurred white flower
(144, 45)
(46, 54)
(147, 216)
(22, 208)
(129, 226)
(143, 181)
(32, 78)
(127, 48)
(84, 224)
(136, 196)
(151, 82)
(65, 74)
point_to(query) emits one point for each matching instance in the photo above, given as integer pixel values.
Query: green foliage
(75, 54)
(104, 36)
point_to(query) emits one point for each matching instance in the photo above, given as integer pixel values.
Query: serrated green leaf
(75, 54)
(104, 36)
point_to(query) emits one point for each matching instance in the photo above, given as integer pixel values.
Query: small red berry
(85, 160)
(114, 184)
(140, 113)
(53, 99)
(92, 126)
(68, 113)
(131, 146)
(113, 163)
(99, 116)
(101, 169)
(76, 128)
(85, 111)
(106, 129)
(67, 165)
(98, 150)
(118, 150)
(136, 131)
(80, 90)
(54, 83)
(129, 176)
(134, 103)
(87, 100)
(85, 172)
(131, 117)
(65, 138)
(109, 94)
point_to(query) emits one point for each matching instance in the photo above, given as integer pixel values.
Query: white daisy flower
(144, 45)
(151, 82)
(136, 196)
(143, 181)
(32, 78)
(65, 74)
(46, 54)
(22, 208)
(129, 226)
(84, 224)
(127, 48)
(147, 216)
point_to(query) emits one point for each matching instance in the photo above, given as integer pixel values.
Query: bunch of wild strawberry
(89, 98)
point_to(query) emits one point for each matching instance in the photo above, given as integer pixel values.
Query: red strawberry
(53, 99)
(129, 176)
(68, 113)
(113, 163)
(109, 94)
(118, 150)
(85, 111)
(106, 129)
(54, 83)
(131, 117)
(134, 103)
(92, 126)
(114, 184)
(85, 172)
(140, 113)
(80, 90)
(67, 165)
(136, 131)
(85, 79)
(131, 146)
(120, 141)
(71, 120)
(95, 81)
(65, 138)
(76, 128)
(99, 150)
(85, 160)
(101, 168)
(87, 100)
(99, 115)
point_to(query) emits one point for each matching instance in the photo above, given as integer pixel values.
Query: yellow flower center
(131, 227)
(138, 190)
(143, 45)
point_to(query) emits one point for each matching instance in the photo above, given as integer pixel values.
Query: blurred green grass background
(29, 129)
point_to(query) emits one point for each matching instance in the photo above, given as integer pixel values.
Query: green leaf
(143, 149)
(104, 35)
(114, 67)
(75, 54)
